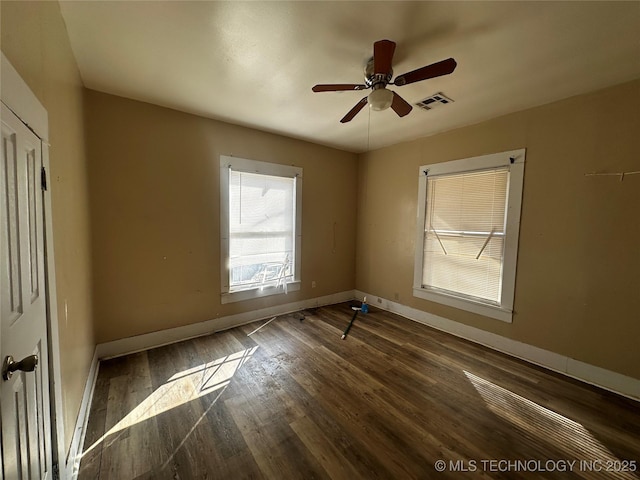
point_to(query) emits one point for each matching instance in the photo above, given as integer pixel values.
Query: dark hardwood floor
(294, 401)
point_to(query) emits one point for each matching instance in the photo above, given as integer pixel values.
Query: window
(260, 216)
(467, 235)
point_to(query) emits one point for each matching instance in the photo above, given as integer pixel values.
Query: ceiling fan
(378, 74)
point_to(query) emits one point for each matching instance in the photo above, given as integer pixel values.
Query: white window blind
(261, 230)
(464, 237)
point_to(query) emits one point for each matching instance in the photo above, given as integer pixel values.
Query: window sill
(498, 313)
(241, 295)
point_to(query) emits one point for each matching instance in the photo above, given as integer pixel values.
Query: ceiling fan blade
(354, 111)
(445, 67)
(400, 105)
(383, 56)
(338, 87)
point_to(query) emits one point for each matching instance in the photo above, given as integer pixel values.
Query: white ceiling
(254, 63)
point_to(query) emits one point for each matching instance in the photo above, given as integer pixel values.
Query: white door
(26, 425)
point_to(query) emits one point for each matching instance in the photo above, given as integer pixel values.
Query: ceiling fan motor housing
(372, 79)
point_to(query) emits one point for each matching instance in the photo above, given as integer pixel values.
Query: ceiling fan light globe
(380, 99)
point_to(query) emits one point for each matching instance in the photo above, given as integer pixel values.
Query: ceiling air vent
(435, 100)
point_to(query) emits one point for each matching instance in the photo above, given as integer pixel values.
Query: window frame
(514, 160)
(237, 164)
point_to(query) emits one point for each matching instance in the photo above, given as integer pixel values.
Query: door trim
(17, 95)
(19, 98)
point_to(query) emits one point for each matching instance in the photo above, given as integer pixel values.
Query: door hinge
(43, 179)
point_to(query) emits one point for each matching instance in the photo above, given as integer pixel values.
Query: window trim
(515, 160)
(263, 168)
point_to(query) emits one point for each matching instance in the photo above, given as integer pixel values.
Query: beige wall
(34, 39)
(578, 271)
(154, 177)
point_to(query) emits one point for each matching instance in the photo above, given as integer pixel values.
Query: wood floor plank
(300, 402)
(293, 400)
(332, 460)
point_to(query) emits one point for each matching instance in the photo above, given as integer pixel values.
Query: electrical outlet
(313, 284)
(379, 300)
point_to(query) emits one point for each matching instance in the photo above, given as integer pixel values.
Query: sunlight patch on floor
(567, 435)
(182, 388)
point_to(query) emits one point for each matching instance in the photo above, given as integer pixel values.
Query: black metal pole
(346, 330)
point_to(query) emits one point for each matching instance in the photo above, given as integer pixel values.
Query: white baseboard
(600, 377)
(146, 341)
(74, 455)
